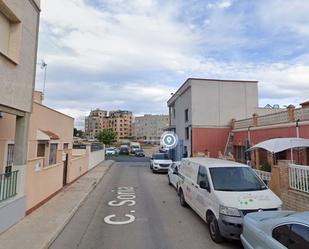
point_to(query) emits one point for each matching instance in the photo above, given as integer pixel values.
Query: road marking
(125, 198)
(108, 220)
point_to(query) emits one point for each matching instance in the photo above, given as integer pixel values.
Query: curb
(75, 209)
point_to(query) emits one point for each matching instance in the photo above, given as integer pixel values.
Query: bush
(266, 167)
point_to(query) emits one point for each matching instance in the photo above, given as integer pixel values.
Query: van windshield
(235, 179)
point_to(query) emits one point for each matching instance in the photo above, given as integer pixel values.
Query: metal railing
(264, 175)
(299, 177)
(8, 185)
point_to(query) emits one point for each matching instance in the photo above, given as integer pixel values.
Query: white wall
(215, 103)
(95, 158)
(181, 104)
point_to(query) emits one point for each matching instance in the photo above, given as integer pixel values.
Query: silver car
(276, 230)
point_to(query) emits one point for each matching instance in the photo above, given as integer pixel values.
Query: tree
(107, 136)
(78, 133)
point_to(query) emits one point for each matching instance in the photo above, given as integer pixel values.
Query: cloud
(118, 54)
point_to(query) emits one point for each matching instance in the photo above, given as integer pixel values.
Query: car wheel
(169, 180)
(182, 199)
(214, 231)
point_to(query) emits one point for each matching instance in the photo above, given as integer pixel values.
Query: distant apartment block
(119, 121)
(150, 127)
(19, 24)
(202, 109)
(94, 123)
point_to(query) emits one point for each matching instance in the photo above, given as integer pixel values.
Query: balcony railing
(282, 117)
(299, 177)
(8, 185)
(275, 118)
(301, 114)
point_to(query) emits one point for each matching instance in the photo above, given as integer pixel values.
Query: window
(41, 150)
(299, 237)
(202, 175)
(235, 179)
(5, 34)
(53, 154)
(186, 115)
(187, 133)
(10, 30)
(174, 112)
(185, 151)
(281, 234)
(9, 158)
(65, 146)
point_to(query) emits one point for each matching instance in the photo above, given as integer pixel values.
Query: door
(202, 196)
(65, 170)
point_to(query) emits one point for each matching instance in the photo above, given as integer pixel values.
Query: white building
(150, 127)
(202, 109)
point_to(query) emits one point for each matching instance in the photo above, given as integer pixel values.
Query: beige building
(94, 123)
(150, 127)
(51, 160)
(119, 121)
(19, 24)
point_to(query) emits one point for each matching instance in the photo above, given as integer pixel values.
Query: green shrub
(266, 167)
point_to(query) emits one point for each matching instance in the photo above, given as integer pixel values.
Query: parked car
(222, 193)
(160, 162)
(276, 230)
(172, 175)
(139, 153)
(124, 150)
(111, 151)
(134, 146)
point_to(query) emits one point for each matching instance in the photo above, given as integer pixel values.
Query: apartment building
(201, 111)
(150, 127)
(119, 121)
(19, 24)
(94, 123)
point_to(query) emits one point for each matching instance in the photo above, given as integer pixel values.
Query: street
(148, 214)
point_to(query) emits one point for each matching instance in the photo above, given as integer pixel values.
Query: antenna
(44, 66)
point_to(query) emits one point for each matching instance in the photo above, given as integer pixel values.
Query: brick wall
(292, 199)
(295, 200)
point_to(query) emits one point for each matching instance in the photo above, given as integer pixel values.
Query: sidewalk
(40, 228)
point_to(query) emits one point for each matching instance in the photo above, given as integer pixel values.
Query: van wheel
(182, 199)
(214, 229)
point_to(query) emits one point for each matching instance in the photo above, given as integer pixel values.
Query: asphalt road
(155, 219)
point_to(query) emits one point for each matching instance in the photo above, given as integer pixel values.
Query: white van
(222, 192)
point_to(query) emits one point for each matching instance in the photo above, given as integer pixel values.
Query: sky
(132, 54)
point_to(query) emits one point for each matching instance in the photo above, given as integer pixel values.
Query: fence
(299, 177)
(8, 185)
(264, 175)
